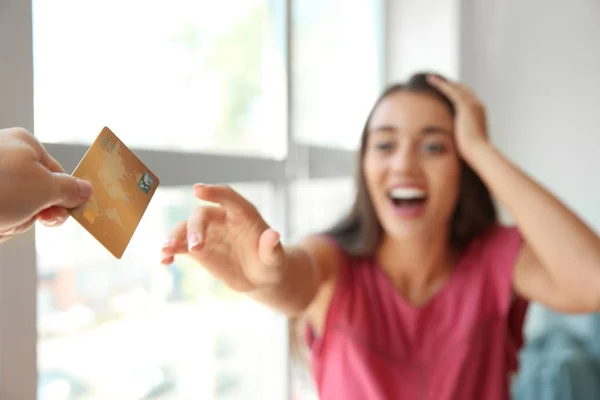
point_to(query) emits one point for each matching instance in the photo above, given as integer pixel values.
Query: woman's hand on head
(230, 240)
(470, 120)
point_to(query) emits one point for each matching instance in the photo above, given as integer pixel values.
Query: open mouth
(407, 199)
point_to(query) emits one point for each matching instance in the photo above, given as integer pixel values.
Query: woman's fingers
(224, 196)
(176, 243)
(189, 236)
(457, 93)
(198, 223)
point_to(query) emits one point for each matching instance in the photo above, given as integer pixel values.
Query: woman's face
(411, 166)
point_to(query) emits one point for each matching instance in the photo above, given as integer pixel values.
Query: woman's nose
(404, 159)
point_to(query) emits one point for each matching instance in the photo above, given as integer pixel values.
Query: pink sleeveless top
(461, 345)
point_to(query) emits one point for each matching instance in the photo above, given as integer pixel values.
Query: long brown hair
(359, 233)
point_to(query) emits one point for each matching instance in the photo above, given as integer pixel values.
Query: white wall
(421, 34)
(536, 65)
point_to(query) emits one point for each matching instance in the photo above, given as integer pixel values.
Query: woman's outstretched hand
(230, 240)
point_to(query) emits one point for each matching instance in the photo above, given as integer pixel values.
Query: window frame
(18, 264)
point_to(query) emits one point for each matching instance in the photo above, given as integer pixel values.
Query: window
(312, 205)
(131, 329)
(200, 91)
(337, 71)
(196, 75)
(314, 200)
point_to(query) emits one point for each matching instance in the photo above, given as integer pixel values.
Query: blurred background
(269, 96)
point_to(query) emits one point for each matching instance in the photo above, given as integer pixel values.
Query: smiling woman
(419, 292)
(388, 142)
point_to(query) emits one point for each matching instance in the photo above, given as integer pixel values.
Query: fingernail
(169, 243)
(194, 240)
(85, 188)
(53, 222)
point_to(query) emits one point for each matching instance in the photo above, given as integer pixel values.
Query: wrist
(477, 152)
(276, 277)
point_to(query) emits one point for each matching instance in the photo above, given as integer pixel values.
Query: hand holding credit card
(123, 188)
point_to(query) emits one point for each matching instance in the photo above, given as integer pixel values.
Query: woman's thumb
(270, 250)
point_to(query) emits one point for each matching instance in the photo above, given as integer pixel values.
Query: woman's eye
(435, 148)
(384, 146)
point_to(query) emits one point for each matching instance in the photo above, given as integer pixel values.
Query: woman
(419, 293)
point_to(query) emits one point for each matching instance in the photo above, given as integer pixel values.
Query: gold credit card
(123, 188)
